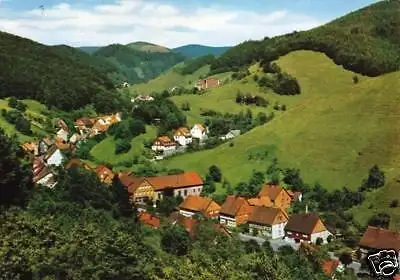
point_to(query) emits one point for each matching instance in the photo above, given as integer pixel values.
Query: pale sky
(170, 23)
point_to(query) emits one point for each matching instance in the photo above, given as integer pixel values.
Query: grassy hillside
(105, 150)
(366, 41)
(333, 132)
(200, 50)
(52, 75)
(147, 47)
(133, 65)
(34, 111)
(170, 79)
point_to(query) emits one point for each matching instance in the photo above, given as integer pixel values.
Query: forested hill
(200, 50)
(366, 41)
(135, 66)
(56, 76)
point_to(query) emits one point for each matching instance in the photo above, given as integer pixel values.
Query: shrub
(185, 106)
(231, 144)
(394, 203)
(380, 220)
(122, 146)
(355, 79)
(330, 238)
(215, 173)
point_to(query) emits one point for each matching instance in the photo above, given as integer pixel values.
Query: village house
(296, 196)
(143, 189)
(75, 138)
(105, 174)
(42, 175)
(190, 224)
(279, 196)
(306, 227)
(83, 125)
(54, 156)
(268, 222)
(62, 134)
(235, 211)
(198, 131)
(44, 145)
(143, 98)
(182, 136)
(61, 124)
(149, 220)
(31, 149)
(331, 267)
(375, 238)
(194, 205)
(208, 83)
(231, 134)
(164, 144)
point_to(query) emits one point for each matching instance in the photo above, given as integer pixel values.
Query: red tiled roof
(149, 220)
(329, 266)
(182, 131)
(185, 179)
(164, 141)
(267, 216)
(233, 205)
(198, 204)
(272, 191)
(302, 222)
(200, 126)
(379, 238)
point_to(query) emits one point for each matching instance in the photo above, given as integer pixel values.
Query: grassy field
(104, 151)
(169, 80)
(34, 109)
(333, 132)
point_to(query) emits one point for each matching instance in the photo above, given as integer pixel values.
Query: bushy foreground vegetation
(84, 229)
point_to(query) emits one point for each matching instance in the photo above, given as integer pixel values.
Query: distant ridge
(194, 50)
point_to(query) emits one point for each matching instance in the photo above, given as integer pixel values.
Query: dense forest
(56, 76)
(134, 66)
(83, 229)
(366, 41)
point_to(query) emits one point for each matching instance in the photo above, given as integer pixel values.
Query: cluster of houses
(164, 145)
(48, 153)
(183, 137)
(90, 127)
(266, 215)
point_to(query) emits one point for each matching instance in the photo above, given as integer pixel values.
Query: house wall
(292, 236)
(163, 148)
(56, 159)
(183, 192)
(197, 133)
(182, 140)
(273, 232)
(144, 192)
(45, 181)
(186, 213)
(227, 221)
(323, 234)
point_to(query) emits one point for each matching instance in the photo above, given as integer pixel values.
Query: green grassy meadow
(34, 109)
(105, 150)
(333, 132)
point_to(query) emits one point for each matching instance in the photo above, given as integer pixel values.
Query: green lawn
(105, 150)
(169, 80)
(34, 109)
(333, 132)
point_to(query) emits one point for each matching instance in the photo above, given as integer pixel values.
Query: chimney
(306, 208)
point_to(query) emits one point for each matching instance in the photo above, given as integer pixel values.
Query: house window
(186, 192)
